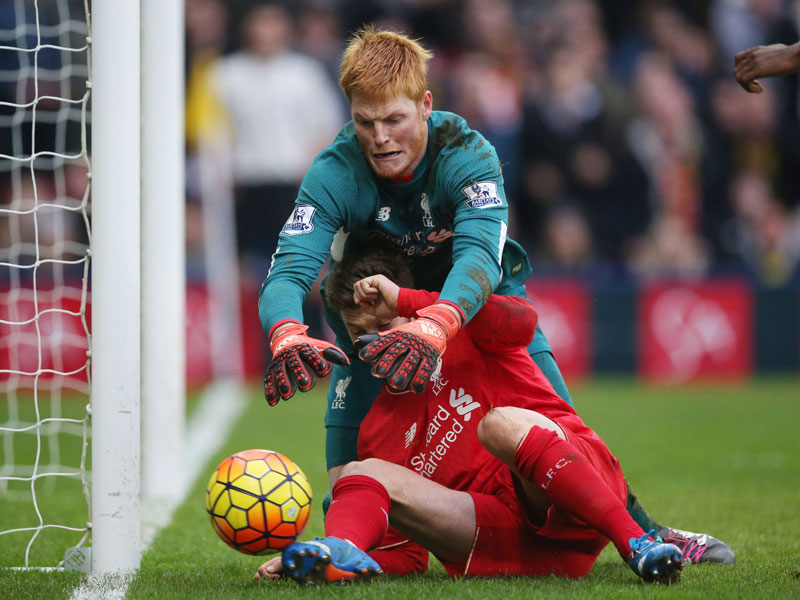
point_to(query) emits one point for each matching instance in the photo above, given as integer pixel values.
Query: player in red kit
(488, 468)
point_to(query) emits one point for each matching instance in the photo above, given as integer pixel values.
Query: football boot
(655, 561)
(327, 560)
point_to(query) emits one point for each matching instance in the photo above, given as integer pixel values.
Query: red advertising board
(198, 336)
(564, 309)
(685, 332)
(695, 331)
(54, 345)
(199, 367)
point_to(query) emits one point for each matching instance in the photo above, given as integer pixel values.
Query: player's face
(360, 323)
(392, 133)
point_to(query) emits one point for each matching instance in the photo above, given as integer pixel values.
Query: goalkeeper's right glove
(406, 356)
(293, 352)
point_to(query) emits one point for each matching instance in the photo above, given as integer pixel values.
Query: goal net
(44, 268)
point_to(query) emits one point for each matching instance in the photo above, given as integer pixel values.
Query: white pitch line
(219, 408)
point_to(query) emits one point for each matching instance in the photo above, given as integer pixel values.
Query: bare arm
(765, 61)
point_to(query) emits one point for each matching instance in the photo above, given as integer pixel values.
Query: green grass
(720, 459)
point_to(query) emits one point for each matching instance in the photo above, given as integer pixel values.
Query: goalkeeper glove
(406, 356)
(293, 352)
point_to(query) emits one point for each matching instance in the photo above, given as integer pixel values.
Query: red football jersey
(486, 364)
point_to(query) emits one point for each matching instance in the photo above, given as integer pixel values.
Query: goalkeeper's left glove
(406, 356)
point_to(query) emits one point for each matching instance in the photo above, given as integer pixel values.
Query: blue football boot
(653, 560)
(327, 560)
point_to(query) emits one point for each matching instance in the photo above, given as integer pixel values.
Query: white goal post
(137, 51)
(116, 286)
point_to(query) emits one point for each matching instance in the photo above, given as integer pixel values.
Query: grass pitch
(723, 459)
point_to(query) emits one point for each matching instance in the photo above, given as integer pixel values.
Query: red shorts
(506, 542)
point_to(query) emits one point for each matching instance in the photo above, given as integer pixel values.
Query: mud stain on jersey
(482, 257)
(482, 294)
(480, 277)
(465, 305)
(449, 133)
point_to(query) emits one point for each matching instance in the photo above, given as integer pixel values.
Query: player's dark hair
(360, 261)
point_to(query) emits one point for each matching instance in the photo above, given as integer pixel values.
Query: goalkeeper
(422, 180)
(488, 468)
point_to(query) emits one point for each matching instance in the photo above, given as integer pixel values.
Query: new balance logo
(463, 403)
(410, 434)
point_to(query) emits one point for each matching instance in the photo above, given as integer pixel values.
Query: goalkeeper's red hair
(377, 65)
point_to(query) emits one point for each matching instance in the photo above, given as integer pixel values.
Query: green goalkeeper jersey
(450, 218)
(454, 201)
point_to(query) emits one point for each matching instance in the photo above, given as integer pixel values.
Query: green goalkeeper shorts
(341, 445)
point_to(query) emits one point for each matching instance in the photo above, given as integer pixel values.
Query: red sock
(359, 511)
(571, 483)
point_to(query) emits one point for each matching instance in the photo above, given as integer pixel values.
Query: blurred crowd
(627, 143)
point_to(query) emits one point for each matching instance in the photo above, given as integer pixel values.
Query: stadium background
(658, 201)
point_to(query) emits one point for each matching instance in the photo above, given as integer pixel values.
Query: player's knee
(374, 468)
(486, 426)
(493, 431)
(371, 467)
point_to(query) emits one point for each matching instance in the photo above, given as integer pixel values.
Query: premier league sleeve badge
(482, 194)
(300, 220)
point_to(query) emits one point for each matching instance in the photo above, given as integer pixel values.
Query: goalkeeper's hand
(296, 359)
(406, 356)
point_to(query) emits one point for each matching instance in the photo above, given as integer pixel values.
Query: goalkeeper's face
(359, 321)
(393, 133)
